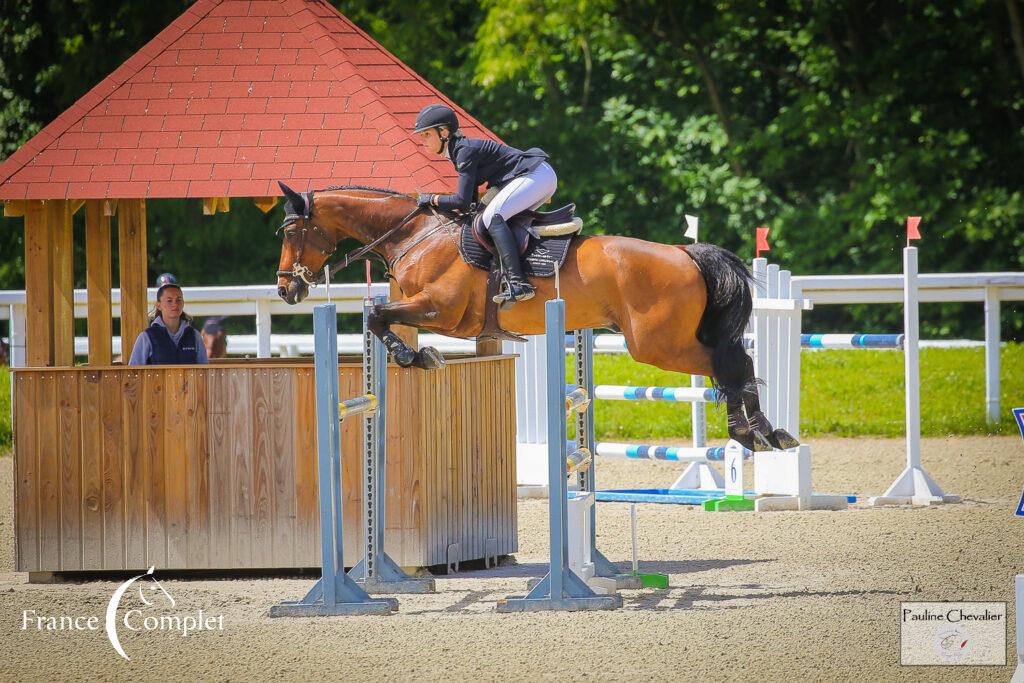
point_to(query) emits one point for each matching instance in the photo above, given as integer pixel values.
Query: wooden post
(131, 239)
(62, 243)
(38, 287)
(410, 335)
(97, 282)
(488, 347)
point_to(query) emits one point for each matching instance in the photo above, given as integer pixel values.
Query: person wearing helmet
(166, 279)
(524, 180)
(170, 338)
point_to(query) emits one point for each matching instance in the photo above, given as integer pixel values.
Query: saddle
(543, 239)
(537, 224)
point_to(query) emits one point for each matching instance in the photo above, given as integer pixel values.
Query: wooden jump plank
(154, 413)
(350, 384)
(70, 458)
(197, 467)
(98, 282)
(262, 470)
(282, 407)
(241, 444)
(38, 286)
(48, 497)
(175, 459)
(114, 454)
(136, 494)
(307, 509)
(26, 471)
(92, 468)
(221, 497)
(62, 245)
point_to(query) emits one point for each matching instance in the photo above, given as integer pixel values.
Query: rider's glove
(424, 200)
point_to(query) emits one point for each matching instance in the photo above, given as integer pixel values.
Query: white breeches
(522, 193)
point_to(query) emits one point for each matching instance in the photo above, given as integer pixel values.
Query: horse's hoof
(782, 440)
(761, 443)
(404, 357)
(429, 358)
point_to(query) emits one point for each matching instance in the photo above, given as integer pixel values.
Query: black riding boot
(518, 289)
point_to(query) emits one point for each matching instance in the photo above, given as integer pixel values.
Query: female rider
(524, 180)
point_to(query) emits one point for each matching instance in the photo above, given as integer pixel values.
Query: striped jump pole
(629, 451)
(609, 392)
(852, 341)
(561, 589)
(335, 593)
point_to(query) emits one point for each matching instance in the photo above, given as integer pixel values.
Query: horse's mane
(394, 193)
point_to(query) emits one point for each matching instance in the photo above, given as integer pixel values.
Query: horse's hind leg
(734, 378)
(778, 438)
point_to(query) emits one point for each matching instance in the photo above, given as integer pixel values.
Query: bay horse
(680, 308)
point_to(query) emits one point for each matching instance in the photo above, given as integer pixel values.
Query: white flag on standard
(691, 227)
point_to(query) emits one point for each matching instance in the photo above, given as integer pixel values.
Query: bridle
(320, 241)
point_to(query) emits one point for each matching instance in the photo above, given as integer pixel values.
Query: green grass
(844, 393)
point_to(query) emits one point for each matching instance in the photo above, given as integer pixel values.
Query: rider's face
(431, 139)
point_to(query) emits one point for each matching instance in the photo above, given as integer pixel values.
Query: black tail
(725, 315)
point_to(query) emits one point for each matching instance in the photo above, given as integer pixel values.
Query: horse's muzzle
(294, 292)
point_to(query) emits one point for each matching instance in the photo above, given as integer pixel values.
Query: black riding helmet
(435, 116)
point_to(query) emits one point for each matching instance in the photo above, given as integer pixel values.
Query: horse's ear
(294, 198)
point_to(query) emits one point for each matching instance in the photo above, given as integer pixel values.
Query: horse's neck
(367, 218)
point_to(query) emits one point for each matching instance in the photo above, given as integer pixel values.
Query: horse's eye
(291, 234)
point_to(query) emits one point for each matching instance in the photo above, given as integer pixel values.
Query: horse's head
(305, 249)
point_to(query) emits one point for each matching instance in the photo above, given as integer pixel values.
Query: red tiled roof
(232, 97)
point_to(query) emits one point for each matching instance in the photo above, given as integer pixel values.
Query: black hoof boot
(761, 443)
(429, 358)
(398, 349)
(739, 427)
(779, 439)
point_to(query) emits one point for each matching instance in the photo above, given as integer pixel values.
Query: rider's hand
(424, 200)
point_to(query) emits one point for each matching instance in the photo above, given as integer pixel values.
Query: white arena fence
(263, 303)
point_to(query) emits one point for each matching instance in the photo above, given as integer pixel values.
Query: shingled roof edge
(120, 75)
(463, 114)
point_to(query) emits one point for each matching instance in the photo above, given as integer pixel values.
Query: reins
(312, 280)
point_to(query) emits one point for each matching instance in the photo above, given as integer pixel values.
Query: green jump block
(730, 504)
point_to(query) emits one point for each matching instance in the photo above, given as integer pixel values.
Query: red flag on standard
(762, 240)
(912, 232)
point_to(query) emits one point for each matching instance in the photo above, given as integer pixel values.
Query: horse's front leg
(415, 311)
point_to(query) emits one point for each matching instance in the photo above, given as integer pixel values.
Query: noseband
(319, 240)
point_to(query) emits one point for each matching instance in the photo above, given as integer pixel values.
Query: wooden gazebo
(211, 467)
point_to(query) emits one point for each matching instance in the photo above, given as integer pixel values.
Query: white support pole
(17, 339)
(759, 322)
(263, 324)
(769, 390)
(913, 486)
(699, 415)
(1018, 676)
(992, 354)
